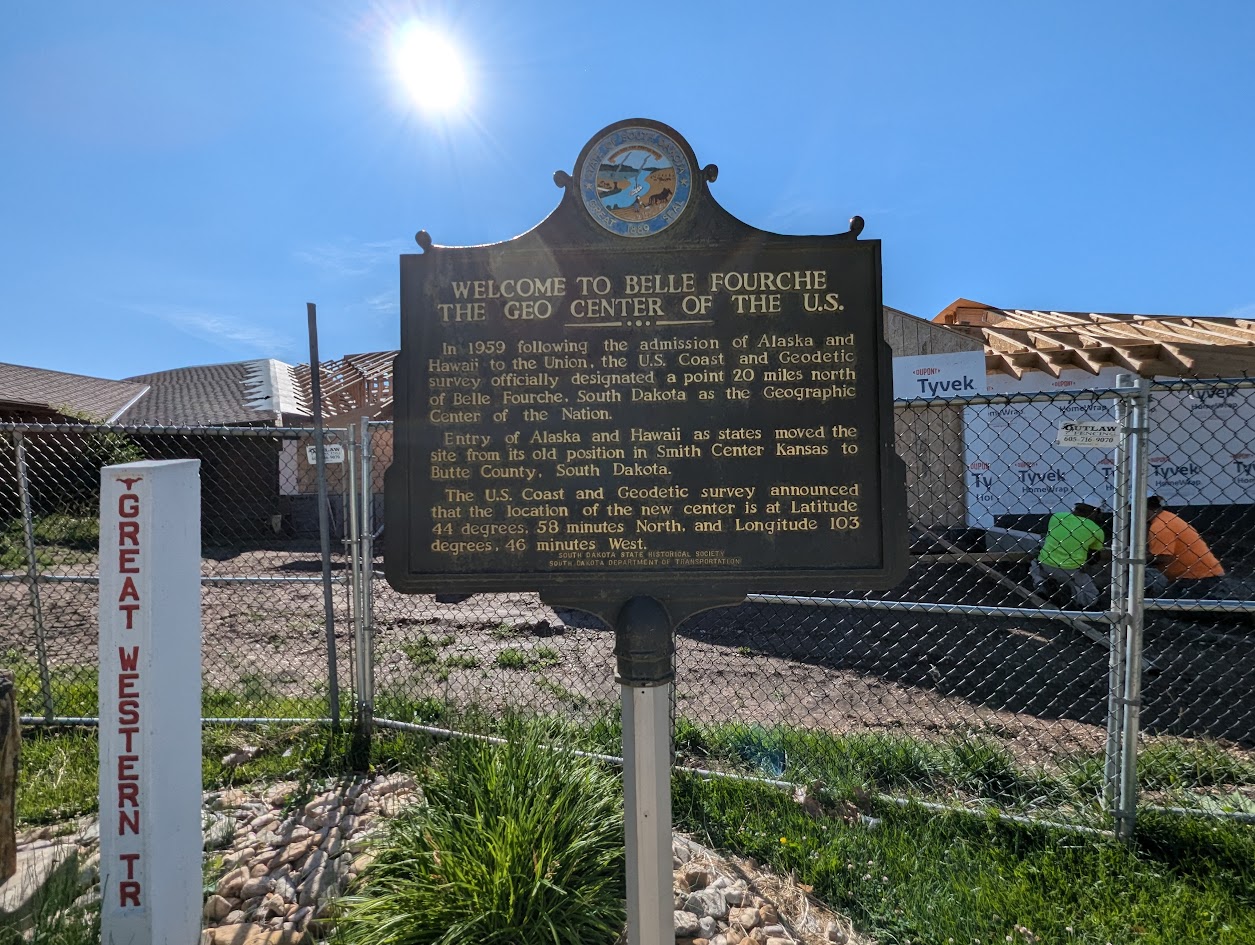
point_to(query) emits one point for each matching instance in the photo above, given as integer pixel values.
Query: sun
(431, 68)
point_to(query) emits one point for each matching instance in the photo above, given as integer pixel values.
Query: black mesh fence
(265, 650)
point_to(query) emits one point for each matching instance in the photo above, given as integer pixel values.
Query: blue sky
(178, 180)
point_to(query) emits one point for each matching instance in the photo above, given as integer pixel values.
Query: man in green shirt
(1070, 538)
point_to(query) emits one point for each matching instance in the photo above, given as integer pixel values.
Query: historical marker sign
(643, 395)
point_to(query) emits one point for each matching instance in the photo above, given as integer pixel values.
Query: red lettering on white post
(128, 820)
(128, 892)
(128, 712)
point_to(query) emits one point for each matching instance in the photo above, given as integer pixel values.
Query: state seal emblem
(635, 180)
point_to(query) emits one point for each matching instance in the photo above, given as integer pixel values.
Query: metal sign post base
(647, 812)
(644, 647)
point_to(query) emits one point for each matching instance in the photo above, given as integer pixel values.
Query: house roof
(76, 396)
(354, 386)
(1020, 340)
(260, 391)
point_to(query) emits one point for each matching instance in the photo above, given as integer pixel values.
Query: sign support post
(644, 647)
(150, 689)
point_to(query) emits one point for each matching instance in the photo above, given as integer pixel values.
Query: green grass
(559, 691)
(57, 777)
(516, 844)
(1176, 764)
(969, 765)
(925, 877)
(57, 774)
(59, 539)
(919, 875)
(515, 658)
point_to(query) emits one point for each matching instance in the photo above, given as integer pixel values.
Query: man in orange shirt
(1181, 564)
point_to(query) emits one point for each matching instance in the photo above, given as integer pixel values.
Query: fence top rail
(1096, 393)
(981, 400)
(1196, 383)
(173, 429)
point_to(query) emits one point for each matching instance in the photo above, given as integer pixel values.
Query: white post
(647, 813)
(644, 647)
(150, 687)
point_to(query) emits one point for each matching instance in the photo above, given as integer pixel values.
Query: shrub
(518, 843)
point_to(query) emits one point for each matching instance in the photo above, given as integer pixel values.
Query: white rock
(687, 925)
(707, 902)
(738, 897)
(708, 927)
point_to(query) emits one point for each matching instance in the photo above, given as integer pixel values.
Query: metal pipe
(984, 400)
(1139, 455)
(1120, 546)
(1186, 605)
(1241, 817)
(366, 545)
(352, 547)
(32, 573)
(285, 433)
(324, 524)
(857, 603)
(255, 720)
(205, 579)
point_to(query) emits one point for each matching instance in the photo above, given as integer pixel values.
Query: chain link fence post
(32, 575)
(366, 557)
(1138, 467)
(352, 528)
(1121, 553)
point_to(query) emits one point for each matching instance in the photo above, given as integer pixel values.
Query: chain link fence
(265, 646)
(966, 685)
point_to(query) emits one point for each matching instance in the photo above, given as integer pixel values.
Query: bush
(518, 843)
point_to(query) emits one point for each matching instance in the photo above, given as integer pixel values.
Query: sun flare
(430, 67)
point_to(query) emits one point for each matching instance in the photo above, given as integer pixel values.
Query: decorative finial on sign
(856, 226)
(711, 173)
(423, 239)
(562, 179)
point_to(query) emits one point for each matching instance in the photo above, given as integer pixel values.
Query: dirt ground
(1038, 686)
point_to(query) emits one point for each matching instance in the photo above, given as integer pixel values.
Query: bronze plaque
(644, 396)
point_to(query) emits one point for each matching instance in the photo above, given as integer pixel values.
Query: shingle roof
(216, 395)
(73, 395)
(1019, 340)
